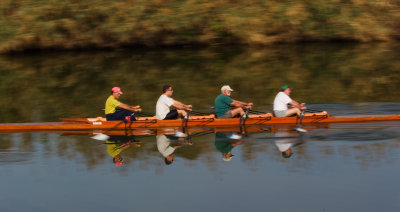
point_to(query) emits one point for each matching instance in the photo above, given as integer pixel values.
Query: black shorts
(173, 114)
(119, 115)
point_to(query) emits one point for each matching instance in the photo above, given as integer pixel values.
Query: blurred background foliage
(72, 24)
(47, 86)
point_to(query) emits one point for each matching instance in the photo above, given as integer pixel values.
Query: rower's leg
(292, 111)
(237, 111)
(182, 113)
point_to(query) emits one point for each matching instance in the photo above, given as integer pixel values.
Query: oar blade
(180, 134)
(299, 129)
(234, 136)
(101, 137)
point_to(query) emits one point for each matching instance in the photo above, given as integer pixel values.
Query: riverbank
(51, 24)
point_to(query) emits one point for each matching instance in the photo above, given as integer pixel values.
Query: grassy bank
(70, 24)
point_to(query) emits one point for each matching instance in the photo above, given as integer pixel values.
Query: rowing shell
(194, 121)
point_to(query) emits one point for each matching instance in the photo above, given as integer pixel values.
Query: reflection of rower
(225, 145)
(165, 148)
(117, 143)
(285, 145)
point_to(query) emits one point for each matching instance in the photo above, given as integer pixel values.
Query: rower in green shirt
(223, 102)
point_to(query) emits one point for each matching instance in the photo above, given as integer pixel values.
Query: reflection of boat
(169, 130)
(194, 121)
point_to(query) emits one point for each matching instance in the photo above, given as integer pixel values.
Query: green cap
(284, 155)
(284, 86)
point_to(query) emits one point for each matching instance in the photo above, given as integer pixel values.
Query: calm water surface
(336, 167)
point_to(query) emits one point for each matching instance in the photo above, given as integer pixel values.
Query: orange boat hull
(195, 121)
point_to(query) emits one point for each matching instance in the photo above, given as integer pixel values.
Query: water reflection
(65, 165)
(167, 144)
(117, 143)
(225, 145)
(137, 149)
(285, 142)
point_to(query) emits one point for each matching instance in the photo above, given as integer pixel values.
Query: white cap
(226, 87)
(226, 158)
(283, 146)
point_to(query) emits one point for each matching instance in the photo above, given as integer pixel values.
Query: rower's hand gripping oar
(241, 121)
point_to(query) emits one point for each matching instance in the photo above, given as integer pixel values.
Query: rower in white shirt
(282, 100)
(164, 103)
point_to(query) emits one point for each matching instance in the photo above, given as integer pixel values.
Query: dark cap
(285, 86)
(285, 155)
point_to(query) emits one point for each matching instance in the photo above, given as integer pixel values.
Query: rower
(116, 110)
(164, 103)
(223, 102)
(282, 100)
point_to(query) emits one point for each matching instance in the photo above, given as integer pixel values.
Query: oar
(298, 127)
(198, 113)
(269, 137)
(257, 112)
(103, 137)
(313, 110)
(242, 118)
(250, 110)
(141, 114)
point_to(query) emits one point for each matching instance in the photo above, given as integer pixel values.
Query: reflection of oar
(241, 121)
(283, 137)
(103, 137)
(298, 127)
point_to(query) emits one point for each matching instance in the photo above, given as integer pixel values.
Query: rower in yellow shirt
(116, 110)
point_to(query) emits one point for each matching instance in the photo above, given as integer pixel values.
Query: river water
(335, 167)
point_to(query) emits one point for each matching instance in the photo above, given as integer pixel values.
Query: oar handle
(313, 110)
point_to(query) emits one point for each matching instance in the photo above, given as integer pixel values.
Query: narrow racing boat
(100, 123)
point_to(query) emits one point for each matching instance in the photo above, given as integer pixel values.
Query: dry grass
(35, 24)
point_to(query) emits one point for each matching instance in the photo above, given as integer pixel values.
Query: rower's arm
(129, 107)
(180, 106)
(296, 104)
(237, 103)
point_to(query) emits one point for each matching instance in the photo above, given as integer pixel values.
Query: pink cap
(119, 162)
(116, 90)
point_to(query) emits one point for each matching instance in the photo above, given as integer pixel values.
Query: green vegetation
(71, 24)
